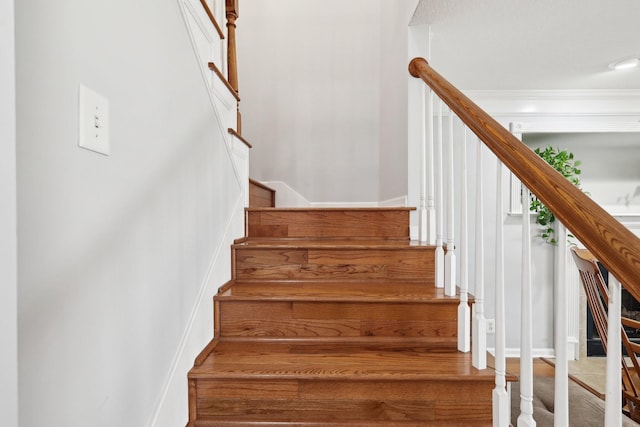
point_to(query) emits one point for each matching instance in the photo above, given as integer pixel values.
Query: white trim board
(515, 352)
(539, 103)
(287, 197)
(175, 389)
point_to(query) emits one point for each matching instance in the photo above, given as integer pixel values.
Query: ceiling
(532, 44)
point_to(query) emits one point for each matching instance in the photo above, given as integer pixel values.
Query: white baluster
(613, 395)
(439, 178)
(430, 206)
(574, 286)
(450, 256)
(464, 313)
(479, 329)
(422, 221)
(501, 403)
(525, 419)
(561, 397)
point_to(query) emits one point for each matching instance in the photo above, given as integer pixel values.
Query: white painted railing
(464, 312)
(526, 341)
(479, 324)
(501, 401)
(442, 203)
(439, 204)
(450, 257)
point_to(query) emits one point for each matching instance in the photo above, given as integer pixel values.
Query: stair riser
(331, 223)
(355, 400)
(336, 423)
(261, 195)
(334, 264)
(330, 319)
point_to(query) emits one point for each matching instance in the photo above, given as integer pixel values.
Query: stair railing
(617, 248)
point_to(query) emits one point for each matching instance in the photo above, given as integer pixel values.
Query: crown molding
(539, 103)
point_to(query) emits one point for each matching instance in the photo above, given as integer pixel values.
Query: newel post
(231, 9)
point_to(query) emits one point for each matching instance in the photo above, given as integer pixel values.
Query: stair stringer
(173, 402)
(223, 104)
(171, 407)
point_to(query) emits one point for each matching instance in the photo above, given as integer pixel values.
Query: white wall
(324, 98)
(116, 252)
(8, 230)
(395, 16)
(418, 41)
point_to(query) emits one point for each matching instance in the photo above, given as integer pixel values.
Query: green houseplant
(564, 162)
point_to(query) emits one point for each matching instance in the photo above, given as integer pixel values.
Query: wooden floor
(331, 319)
(541, 368)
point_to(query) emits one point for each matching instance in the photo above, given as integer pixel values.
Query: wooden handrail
(237, 135)
(212, 18)
(216, 70)
(617, 248)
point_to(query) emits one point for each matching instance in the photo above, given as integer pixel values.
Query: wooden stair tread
(221, 422)
(330, 209)
(333, 243)
(364, 291)
(356, 360)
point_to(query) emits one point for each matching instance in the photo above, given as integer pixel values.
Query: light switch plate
(491, 326)
(93, 121)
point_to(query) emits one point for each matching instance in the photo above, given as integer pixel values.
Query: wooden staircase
(331, 319)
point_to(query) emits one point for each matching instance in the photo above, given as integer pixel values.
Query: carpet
(585, 409)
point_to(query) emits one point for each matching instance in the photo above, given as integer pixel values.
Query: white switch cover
(94, 121)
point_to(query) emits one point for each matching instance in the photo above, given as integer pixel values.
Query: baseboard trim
(207, 288)
(402, 201)
(344, 204)
(515, 352)
(287, 197)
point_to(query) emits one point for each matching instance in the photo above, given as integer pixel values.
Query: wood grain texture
(329, 321)
(231, 9)
(241, 138)
(272, 318)
(223, 79)
(334, 222)
(335, 262)
(230, 422)
(314, 382)
(261, 196)
(336, 290)
(306, 359)
(363, 410)
(612, 243)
